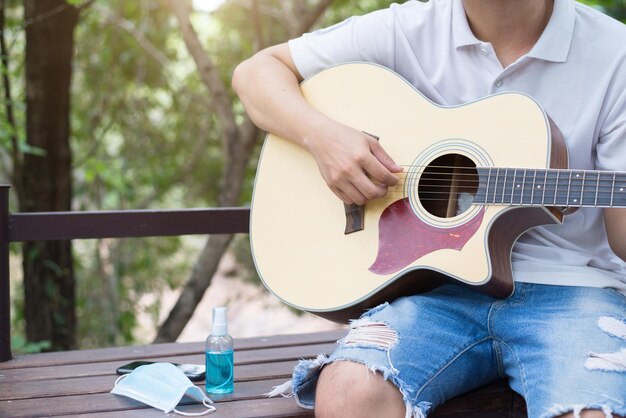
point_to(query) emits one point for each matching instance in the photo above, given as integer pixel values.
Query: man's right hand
(353, 164)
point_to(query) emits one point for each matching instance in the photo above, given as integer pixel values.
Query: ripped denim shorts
(562, 348)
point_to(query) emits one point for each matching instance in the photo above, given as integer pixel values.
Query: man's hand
(353, 164)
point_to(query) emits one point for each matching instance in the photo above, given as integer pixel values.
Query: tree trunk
(238, 140)
(49, 286)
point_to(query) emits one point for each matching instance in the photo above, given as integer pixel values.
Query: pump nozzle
(220, 321)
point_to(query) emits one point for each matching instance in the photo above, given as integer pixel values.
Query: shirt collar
(462, 33)
(553, 44)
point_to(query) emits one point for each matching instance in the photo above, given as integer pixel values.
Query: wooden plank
(108, 368)
(256, 408)
(287, 407)
(163, 350)
(497, 399)
(46, 226)
(243, 371)
(54, 387)
(107, 402)
(102, 384)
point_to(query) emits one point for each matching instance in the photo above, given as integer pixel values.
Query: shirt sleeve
(611, 147)
(368, 38)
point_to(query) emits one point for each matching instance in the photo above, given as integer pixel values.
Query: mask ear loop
(210, 408)
(120, 379)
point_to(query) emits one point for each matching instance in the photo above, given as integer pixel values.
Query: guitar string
(602, 185)
(506, 202)
(431, 190)
(503, 178)
(430, 180)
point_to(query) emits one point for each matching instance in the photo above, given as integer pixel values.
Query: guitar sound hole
(448, 185)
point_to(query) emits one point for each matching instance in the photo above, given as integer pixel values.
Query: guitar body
(421, 234)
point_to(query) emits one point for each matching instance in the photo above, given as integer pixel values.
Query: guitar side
(297, 224)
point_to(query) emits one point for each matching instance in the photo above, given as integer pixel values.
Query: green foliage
(19, 345)
(243, 254)
(614, 8)
(342, 9)
(143, 137)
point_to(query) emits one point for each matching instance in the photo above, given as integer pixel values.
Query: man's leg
(347, 389)
(405, 358)
(564, 349)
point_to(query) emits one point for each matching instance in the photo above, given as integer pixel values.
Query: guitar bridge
(355, 214)
(355, 218)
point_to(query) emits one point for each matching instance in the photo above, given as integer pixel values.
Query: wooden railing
(51, 226)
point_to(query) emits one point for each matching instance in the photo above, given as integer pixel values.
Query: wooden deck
(77, 383)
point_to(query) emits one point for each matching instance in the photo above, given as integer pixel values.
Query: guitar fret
(545, 184)
(593, 188)
(620, 188)
(569, 187)
(613, 188)
(604, 189)
(506, 171)
(582, 188)
(521, 200)
(556, 185)
(487, 188)
(595, 203)
(513, 184)
(532, 191)
(495, 187)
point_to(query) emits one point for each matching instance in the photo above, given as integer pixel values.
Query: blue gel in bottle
(219, 356)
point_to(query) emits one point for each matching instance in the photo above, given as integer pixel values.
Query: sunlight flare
(207, 6)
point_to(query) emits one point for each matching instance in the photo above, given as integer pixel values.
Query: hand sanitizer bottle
(219, 355)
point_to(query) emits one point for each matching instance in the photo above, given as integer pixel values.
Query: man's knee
(349, 389)
(589, 413)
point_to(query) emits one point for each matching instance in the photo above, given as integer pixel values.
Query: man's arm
(615, 220)
(354, 165)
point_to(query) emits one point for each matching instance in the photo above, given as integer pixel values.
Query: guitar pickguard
(404, 238)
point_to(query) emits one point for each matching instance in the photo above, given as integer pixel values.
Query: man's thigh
(563, 348)
(431, 347)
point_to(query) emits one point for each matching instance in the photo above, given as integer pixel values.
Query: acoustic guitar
(475, 178)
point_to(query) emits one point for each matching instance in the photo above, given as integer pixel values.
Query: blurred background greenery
(111, 104)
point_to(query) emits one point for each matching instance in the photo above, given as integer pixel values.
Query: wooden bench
(78, 382)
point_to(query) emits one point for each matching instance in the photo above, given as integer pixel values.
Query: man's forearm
(268, 86)
(615, 219)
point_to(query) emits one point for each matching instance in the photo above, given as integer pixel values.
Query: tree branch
(207, 70)
(313, 16)
(136, 34)
(273, 12)
(256, 17)
(46, 15)
(85, 5)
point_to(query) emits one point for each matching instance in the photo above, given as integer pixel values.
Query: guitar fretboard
(550, 187)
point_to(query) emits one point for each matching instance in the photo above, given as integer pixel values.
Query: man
(560, 338)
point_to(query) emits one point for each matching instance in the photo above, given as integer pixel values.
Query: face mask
(162, 386)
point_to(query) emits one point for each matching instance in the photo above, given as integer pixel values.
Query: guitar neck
(550, 187)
